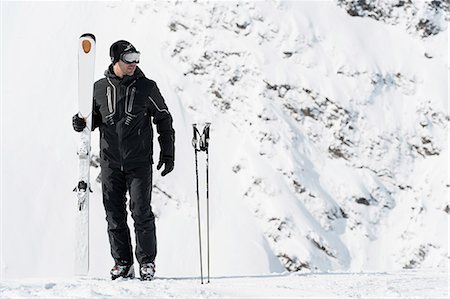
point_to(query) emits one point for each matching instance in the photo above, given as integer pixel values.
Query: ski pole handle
(201, 141)
(206, 136)
(194, 138)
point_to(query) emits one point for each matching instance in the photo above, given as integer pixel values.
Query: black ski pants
(138, 182)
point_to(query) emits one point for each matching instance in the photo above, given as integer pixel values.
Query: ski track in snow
(410, 284)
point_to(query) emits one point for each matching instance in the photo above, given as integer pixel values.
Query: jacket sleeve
(96, 116)
(163, 121)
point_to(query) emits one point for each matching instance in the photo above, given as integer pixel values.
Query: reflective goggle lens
(131, 57)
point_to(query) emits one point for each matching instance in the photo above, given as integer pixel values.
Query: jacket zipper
(130, 104)
(119, 141)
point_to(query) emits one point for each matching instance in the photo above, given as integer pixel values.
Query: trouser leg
(114, 200)
(139, 182)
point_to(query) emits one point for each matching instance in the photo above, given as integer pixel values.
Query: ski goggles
(130, 57)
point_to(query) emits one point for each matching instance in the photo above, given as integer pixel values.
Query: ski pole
(206, 146)
(194, 143)
(207, 205)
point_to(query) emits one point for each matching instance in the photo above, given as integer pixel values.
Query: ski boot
(147, 271)
(122, 271)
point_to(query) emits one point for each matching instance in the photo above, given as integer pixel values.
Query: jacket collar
(109, 73)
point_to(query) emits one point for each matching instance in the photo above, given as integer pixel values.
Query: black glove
(78, 123)
(168, 166)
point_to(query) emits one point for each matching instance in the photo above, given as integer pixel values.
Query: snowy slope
(329, 143)
(404, 284)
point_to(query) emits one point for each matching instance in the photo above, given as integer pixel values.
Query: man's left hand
(167, 168)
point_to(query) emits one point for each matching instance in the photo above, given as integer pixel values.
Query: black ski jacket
(122, 111)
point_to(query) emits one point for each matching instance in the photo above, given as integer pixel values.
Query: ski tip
(88, 35)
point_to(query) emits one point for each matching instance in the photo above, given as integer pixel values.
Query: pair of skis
(86, 63)
(200, 142)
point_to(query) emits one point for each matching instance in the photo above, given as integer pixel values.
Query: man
(124, 103)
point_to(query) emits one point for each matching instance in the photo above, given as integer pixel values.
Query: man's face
(127, 69)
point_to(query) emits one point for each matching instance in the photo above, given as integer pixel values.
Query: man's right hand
(78, 123)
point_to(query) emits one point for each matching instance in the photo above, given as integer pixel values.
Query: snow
(405, 284)
(329, 148)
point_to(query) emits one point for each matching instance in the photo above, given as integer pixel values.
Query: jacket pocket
(145, 139)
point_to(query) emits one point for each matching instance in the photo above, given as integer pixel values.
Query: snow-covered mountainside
(329, 138)
(421, 18)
